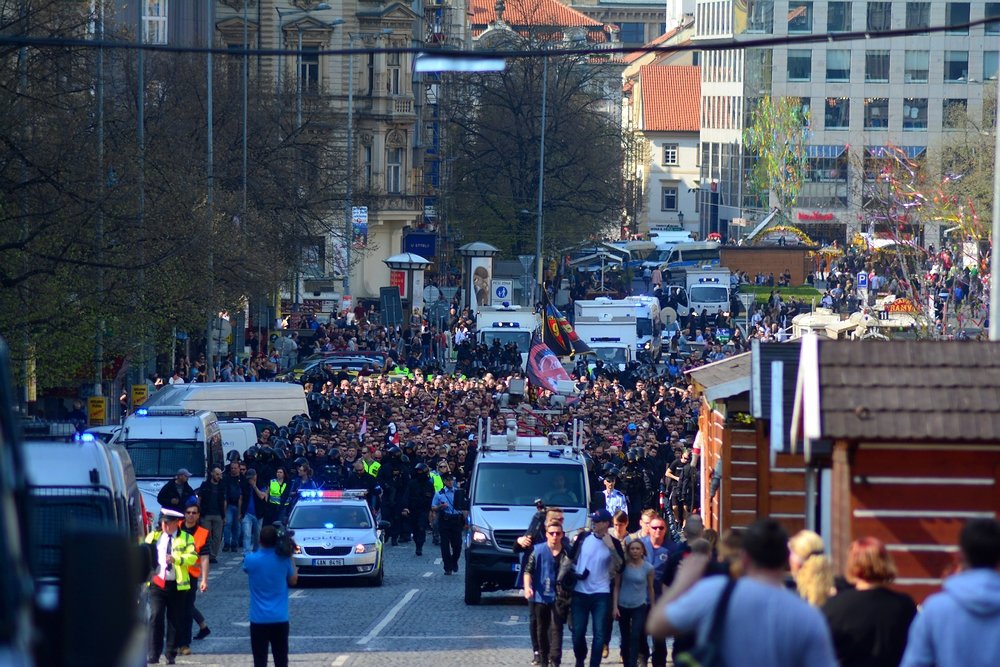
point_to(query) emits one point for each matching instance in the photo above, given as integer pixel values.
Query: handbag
(709, 652)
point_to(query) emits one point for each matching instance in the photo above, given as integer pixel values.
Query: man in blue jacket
(960, 626)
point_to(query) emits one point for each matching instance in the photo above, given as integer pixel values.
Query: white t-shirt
(766, 626)
(596, 557)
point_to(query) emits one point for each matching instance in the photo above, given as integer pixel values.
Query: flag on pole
(544, 369)
(364, 424)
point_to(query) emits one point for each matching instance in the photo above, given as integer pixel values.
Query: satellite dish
(668, 316)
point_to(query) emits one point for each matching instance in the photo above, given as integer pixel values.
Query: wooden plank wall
(916, 500)
(745, 502)
(710, 424)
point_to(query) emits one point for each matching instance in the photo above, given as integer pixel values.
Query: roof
(635, 55)
(671, 98)
(529, 13)
(725, 378)
(899, 391)
(764, 354)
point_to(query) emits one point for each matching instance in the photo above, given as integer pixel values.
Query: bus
(697, 254)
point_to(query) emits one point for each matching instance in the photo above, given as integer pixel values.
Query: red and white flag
(364, 423)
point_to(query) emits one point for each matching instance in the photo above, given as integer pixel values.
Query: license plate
(328, 562)
(516, 567)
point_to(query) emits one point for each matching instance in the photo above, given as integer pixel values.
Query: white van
(277, 401)
(162, 440)
(76, 484)
(237, 435)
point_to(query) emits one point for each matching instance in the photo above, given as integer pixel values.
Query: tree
(776, 137)
(495, 137)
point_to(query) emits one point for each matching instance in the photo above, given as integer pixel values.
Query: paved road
(416, 618)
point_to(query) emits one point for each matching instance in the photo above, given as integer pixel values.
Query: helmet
(394, 452)
(232, 455)
(640, 454)
(279, 455)
(251, 453)
(421, 468)
(334, 453)
(299, 450)
(311, 450)
(404, 459)
(282, 432)
(611, 473)
(301, 461)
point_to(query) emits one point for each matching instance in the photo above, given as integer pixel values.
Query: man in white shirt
(597, 563)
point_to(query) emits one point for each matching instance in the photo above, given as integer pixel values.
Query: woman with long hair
(810, 567)
(869, 622)
(632, 599)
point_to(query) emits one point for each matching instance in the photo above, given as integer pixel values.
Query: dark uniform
(417, 504)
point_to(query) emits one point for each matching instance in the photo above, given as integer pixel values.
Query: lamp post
(348, 219)
(282, 14)
(411, 263)
(541, 178)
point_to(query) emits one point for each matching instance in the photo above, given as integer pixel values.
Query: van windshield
(55, 510)
(706, 294)
(522, 483)
(163, 458)
(520, 338)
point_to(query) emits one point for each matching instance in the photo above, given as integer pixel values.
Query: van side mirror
(461, 500)
(110, 558)
(597, 501)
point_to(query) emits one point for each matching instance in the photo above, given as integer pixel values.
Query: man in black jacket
(212, 498)
(175, 493)
(232, 537)
(417, 504)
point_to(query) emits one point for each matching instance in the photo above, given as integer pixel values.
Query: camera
(285, 546)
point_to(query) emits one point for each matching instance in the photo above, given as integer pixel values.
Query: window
(838, 65)
(632, 33)
(993, 11)
(800, 16)
(838, 17)
(154, 21)
(828, 166)
(956, 65)
(918, 15)
(876, 66)
(957, 13)
(914, 113)
(670, 154)
(990, 65)
(876, 113)
(309, 68)
(917, 65)
(760, 16)
(368, 167)
(954, 112)
(805, 107)
(393, 64)
(879, 16)
(394, 170)
(838, 113)
(799, 64)
(668, 198)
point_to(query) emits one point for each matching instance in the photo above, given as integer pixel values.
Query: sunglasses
(554, 532)
(192, 512)
(657, 527)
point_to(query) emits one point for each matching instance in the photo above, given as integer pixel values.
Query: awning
(761, 225)
(885, 151)
(725, 378)
(820, 151)
(596, 257)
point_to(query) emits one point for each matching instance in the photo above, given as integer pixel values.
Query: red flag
(544, 370)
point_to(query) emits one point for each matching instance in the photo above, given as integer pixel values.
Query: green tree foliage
(495, 136)
(776, 137)
(185, 258)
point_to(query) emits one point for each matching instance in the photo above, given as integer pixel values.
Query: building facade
(862, 96)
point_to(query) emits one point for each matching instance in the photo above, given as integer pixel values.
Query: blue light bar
(84, 437)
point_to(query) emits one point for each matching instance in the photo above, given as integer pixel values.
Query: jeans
(251, 533)
(631, 624)
(586, 607)
(275, 634)
(232, 532)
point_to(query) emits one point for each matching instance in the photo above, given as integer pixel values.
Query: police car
(337, 536)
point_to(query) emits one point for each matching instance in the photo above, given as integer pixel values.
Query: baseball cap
(601, 515)
(184, 471)
(632, 427)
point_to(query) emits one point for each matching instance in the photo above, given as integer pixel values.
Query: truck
(530, 458)
(507, 324)
(708, 289)
(609, 327)
(649, 327)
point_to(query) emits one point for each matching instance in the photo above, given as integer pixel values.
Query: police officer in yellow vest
(371, 465)
(168, 589)
(277, 497)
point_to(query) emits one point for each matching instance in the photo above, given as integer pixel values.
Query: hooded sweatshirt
(960, 626)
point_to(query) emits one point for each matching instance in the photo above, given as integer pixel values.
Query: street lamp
(348, 220)
(411, 263)
(680, 218)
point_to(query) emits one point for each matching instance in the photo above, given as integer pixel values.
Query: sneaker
(420, 552)
(605, 652)
(203, 632)
(537, 659)
(184, 650)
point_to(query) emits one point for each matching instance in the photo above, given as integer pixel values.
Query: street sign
(390, 306)
(97, 408)
(502, 289)
(140, 393)
(862, 280)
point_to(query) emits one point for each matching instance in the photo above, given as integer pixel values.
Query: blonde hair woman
(810, 567)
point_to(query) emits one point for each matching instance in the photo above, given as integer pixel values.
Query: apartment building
(862, 95)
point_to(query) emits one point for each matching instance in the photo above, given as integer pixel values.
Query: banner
(553, 333)
(575, 343)
(544, 369)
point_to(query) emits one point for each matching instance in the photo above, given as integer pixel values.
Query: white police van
(511, 470)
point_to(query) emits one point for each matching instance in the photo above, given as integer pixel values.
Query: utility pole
(140, 139)
(101, 182)
(209, 193)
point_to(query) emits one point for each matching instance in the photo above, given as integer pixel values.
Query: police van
(162, 440)
(512, 469)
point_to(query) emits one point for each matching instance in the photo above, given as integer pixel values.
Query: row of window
(916, 67)
(913, 110)
(877, 16)
(721, 112)
(722, 66)
(714, 17)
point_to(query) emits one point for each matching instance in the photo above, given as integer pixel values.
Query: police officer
(168, 588)
(614, 500)
(417, 504)
(393, 501)
(278, 491)
(451, 522)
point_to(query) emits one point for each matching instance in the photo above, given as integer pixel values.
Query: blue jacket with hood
(960, 626)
